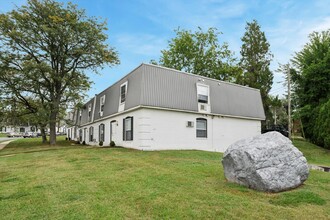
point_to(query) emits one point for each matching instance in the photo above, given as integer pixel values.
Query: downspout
(212, 133)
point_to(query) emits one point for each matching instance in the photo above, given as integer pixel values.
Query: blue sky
(140, 29)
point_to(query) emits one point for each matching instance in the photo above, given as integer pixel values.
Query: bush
(66, 138)
(321, 132)
(83, 143)
(112, 144)
(101, 143)
(77, 142)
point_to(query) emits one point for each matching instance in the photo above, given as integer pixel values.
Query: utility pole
(289, 100)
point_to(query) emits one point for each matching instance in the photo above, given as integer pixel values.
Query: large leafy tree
(200, 53)
(312, 87)
(255, 61)
(46, 47)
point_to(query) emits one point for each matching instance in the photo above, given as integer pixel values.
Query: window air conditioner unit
(190, 124)
(101, 114)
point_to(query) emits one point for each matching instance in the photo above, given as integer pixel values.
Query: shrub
(321, 131)
(77, 142)
(101, 143)
(83, 143)
(66, 138)
(112, 144)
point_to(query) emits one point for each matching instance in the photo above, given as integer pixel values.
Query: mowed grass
(78, 182)
(3, 135)
(314, 154)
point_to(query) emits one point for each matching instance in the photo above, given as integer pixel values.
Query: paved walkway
(3, 144)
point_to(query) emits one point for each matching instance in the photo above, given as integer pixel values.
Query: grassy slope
(313, 153)
(79, 182)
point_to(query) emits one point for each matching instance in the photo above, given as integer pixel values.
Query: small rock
(268, 162)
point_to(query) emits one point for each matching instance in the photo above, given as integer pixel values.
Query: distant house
(157, 108)
(18, 128)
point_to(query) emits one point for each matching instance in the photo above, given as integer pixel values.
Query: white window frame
(102, 132)
(120, 94)
(91, 134)
(198, 85)
(89, 112)
(197, 129)
(102, 103)
(125, 130)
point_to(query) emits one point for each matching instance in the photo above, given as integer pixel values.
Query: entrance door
(113, 131)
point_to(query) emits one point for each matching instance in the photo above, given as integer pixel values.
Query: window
(80, 115)
(89, 112)
(101, 132)
(123, 91)
(203, 93)
(102, 101)
(128, 129)
(80, 134)
(91, 131)
(85, 131)
(201, 128)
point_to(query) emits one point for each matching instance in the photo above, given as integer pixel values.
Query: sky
(140, 29)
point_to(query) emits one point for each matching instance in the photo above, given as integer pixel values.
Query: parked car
(29, 135)
(14, 134)
(277, 128)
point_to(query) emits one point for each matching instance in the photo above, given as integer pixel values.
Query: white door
(113, 131)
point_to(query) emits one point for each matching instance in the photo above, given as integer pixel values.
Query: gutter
(166, 109)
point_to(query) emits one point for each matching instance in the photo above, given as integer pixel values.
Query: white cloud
(289, 37)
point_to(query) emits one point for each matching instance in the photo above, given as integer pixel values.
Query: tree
(200, 53)
(255, 61)
(46, 47)
(275, 106)
(312, 87)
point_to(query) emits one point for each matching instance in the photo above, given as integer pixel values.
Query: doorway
(113, 131)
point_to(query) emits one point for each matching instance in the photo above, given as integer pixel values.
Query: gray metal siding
(113, 92)
(133, 95)
(155, 86)
(168, 89)
(84, 115)
(228, 99)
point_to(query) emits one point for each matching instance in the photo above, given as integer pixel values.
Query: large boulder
(267, 162)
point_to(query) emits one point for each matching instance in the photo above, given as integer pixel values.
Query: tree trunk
(52, 127)
(43, 134)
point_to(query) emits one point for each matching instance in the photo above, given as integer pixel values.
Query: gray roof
(156, 86)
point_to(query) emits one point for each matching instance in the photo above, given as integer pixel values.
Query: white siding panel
(168, 130)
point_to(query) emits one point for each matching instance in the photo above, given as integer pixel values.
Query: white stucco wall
(161, 129)
(118, 130)
(156, 129)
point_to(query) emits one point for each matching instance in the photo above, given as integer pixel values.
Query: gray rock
(267, 162)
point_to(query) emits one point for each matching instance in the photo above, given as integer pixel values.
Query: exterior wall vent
(190, 124)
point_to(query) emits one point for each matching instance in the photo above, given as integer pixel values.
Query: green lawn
(79, 182)
(3, 135)
(313, 153)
